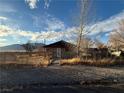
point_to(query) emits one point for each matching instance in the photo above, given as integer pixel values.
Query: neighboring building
(99, 52)
(61, 49)
(95, 52)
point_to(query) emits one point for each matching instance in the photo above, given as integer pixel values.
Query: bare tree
(44, 37)
(83, 13)
(99, 44)
(86, 43)
(116, 38)
(29, 47)
(84, 17)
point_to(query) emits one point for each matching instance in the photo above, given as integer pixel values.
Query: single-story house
(61, 49)
(100, 52)
(95, 52)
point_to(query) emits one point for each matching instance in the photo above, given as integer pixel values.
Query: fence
(22, 57)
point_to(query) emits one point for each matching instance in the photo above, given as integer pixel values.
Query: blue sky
(23, 20)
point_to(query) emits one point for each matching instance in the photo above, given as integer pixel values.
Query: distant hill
(12, 48)
(17, 47)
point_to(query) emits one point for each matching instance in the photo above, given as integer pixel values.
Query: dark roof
(60, 44)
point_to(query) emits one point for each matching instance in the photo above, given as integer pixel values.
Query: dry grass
(37, 61)
(44, 63)
(15, 59)
(26, 62)
(98, 62)
(70, 61)
(91, 62)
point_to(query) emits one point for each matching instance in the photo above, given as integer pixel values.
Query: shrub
(44, 62)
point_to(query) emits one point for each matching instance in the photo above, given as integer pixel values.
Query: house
(61, 49)
(95, 52)
(99, 52)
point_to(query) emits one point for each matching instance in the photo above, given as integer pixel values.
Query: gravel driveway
(62, 75)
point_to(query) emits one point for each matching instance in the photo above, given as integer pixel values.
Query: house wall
(53, 52)
(64, 53)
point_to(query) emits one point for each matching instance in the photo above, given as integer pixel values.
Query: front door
(58, 52)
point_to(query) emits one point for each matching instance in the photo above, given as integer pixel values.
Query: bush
(44, 63)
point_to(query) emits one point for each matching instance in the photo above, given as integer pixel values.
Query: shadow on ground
(68, 89)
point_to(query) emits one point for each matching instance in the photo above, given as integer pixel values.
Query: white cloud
(55, 29)
(15, 35)
(18, 35)
(7, 31)
(32, 3)
(3, 18)
(107, 25)
(99, 28)
(2, 40)
(55, 24)
(48, 23)
(47, 3)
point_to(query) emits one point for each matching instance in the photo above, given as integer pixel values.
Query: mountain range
(18, 47)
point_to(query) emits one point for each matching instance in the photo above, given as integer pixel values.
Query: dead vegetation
(70, 61)
(19, 60)
(16, 65)
(92, 62)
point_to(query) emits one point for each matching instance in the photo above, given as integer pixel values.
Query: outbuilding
(61, 49)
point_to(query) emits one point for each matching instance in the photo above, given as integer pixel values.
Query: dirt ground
(62, 75)
(69, 89)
